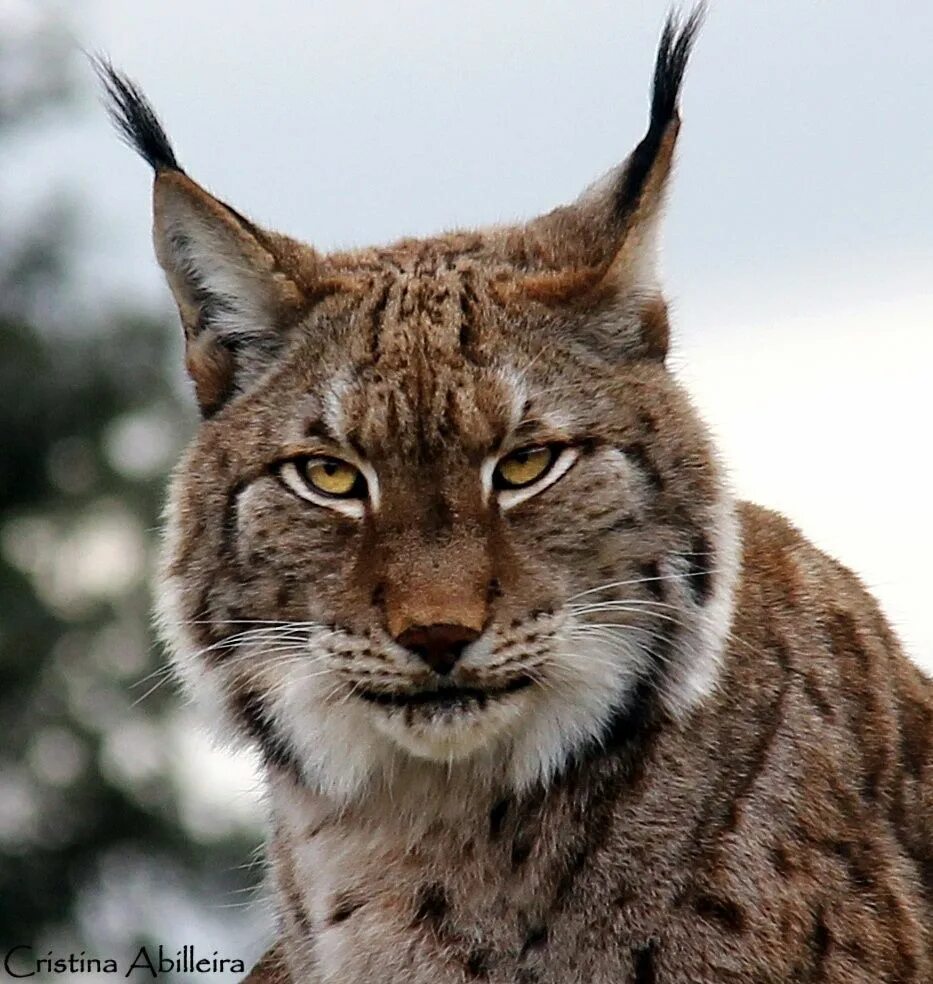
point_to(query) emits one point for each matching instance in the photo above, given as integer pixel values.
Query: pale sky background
(798, 242)
(799, 235)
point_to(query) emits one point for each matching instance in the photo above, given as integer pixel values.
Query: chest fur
(676, 872)
(505, 890)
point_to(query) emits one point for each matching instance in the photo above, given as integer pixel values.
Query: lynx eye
(332, 482)
(332, 477)
(523, 467)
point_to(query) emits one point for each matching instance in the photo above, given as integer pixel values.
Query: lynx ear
(234, 292)
(237, 287)
(602, 249)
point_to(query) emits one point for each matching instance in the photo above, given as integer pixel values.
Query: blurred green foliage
(90, 420)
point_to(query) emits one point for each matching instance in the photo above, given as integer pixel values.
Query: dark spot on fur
(648, 422)
(467, 304)
(844, 636)
(655, 329)
(783, 862)
(816, 696)
(638, 455)
(344, 908)
(477, 963)
(574, 865)
(250, 709)
(298, 910)
(755, 767)
(625, 895)
(521, 849)
(856, 864)
(497, 817)
(651, 579)
(431, 906)
(700, 571)
(493, 590)
(292, 895)
(781, 649)
(438, 514)
(820, 943)
(535, 940)
(725, 912)
(821, 938)
(643, 963)
(526, 975)
(376, 317)
(871, 784)
(631, 728)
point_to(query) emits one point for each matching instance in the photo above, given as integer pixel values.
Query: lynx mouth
(445, 698)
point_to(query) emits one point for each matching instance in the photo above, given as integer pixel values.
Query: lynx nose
(440, 646)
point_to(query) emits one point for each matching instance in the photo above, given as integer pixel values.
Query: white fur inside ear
(635, 266)
(207, 264)
(215, 265)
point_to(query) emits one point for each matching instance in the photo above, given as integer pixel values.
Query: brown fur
(686, 745)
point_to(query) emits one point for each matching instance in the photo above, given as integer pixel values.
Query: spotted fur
(685, 746)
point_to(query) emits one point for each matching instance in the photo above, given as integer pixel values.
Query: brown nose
(440, 646)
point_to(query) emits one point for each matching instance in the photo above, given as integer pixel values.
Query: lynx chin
(538, 701)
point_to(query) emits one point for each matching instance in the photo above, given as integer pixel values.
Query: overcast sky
(799, 237)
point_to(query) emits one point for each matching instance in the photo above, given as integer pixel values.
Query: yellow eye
(522, 467)
(333, 477)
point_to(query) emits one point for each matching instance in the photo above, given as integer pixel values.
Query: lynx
(537, 700)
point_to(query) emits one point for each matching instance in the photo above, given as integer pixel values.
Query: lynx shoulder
(538, 702)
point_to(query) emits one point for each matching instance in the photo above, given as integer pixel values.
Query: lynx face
(447, 505)
(411, 538)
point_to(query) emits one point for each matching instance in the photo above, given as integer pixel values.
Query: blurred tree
(89, 422)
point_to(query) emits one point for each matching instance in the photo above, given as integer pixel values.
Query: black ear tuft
(673, 54)
(134, 117)
(677, 40)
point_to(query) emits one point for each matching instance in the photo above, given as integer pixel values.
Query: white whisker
(640, 580)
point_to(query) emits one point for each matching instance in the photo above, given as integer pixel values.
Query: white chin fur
(449, 735)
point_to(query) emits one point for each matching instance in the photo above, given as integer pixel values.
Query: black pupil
(332, 468)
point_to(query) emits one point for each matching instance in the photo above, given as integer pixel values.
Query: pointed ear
(238, 288)
(601, 251)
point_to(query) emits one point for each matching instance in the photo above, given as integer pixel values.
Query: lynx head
(447, 508)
